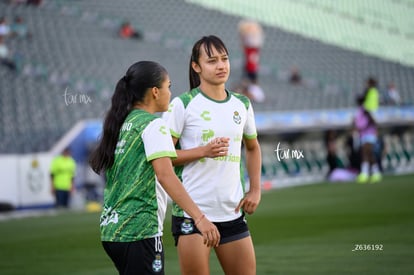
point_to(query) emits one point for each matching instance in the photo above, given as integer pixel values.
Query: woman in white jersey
(134, 151)
(208, 125)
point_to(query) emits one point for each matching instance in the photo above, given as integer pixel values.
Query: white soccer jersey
(195, 119)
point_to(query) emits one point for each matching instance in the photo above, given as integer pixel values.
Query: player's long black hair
(129, 90)
(208, 42)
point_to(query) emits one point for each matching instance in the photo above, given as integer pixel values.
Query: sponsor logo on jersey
(207, 135)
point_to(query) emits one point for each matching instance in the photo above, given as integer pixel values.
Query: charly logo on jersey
(187, 227)
(236, 117)
(157, 263)
(205, 115)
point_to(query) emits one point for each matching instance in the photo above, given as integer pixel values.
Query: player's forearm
(190, 155)
(254, 166)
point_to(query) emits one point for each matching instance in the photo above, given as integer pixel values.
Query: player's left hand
(250, 202)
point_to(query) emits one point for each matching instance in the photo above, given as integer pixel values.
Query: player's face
(214, 69)
(164, 95)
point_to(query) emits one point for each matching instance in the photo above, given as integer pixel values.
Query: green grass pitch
(309, 229)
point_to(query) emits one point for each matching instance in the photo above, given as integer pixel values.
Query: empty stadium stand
(68, 69)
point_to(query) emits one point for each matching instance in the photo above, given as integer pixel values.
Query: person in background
(332, 157)
(251, 36)
(62, 174)
(367, 128)
(392, 95)
(295, 77)
(353, 150)
(127, 31)
(4, 28)
(19, 28)
(7, 59)
(135, 153)
(370, 97)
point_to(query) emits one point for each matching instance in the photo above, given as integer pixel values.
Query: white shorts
(370, 138)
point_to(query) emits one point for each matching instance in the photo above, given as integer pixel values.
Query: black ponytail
(129, 90)
(209, 42)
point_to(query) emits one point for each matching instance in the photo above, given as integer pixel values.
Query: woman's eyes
(215, 60)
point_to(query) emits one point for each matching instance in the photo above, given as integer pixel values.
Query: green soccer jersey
(134, 202)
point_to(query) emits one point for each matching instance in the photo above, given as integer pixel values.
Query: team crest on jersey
(187, 227)
(237, 117)
(157, 263)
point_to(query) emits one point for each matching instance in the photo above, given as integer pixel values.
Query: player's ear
(155, 92)
(195, 67)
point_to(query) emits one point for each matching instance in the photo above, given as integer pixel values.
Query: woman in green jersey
(135, 154)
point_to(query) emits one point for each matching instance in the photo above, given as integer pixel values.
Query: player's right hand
(217, 147)
(210, 232)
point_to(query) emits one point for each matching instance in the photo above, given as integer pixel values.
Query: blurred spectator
(127, 31)
(332, 157)
(392, 96)
(370, 95)
(295, 76)
(380, 151)
(17, 1)
(353, 150)
(5, 57)
(62, 174)
(4, 28)
(34, 2)
(28, 2)
(365, 124)
(251, 37)
(252, 91)
(19, 28)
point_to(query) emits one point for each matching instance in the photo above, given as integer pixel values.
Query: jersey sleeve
(157, 140)
(174, 117)
(250, 131)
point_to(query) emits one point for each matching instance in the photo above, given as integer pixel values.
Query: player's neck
(145, 107)
(216, 92)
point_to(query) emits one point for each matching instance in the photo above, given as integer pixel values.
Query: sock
(365, 167)
(375, 169)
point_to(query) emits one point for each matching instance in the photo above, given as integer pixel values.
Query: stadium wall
(26, 181)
